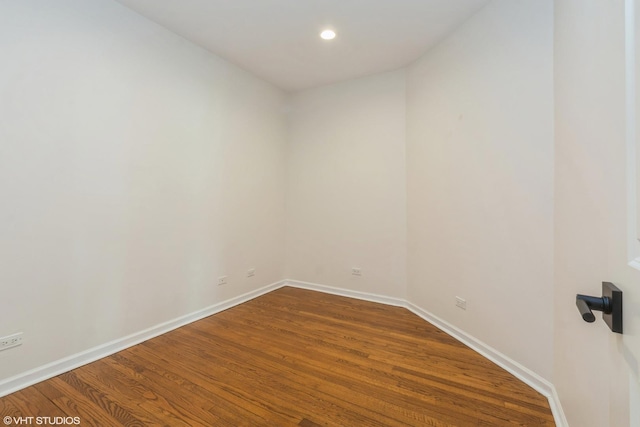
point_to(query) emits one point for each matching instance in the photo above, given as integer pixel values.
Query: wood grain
(291, 358)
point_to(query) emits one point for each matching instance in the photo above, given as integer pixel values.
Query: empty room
(319, 213)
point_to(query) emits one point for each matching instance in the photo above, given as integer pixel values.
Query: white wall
(480, 179)
(135, 169)
(346, 200)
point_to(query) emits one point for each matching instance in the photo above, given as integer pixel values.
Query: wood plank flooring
(291, 358)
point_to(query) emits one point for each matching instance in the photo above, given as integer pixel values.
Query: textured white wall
(346, 199)
(480, 179)
(135, 168)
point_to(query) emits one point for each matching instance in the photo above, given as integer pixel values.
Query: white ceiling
(278, 40)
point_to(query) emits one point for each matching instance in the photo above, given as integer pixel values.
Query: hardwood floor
(291, 358)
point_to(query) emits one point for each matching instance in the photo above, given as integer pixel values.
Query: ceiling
(278, 40)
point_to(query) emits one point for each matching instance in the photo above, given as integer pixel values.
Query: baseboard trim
(527, 376)
(556, 409)
(28, 378)
(398, 302)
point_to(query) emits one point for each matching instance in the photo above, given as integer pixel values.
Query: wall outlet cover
(10, 341)
(461, 303)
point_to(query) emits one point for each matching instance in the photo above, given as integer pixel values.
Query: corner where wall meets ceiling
(278, 40)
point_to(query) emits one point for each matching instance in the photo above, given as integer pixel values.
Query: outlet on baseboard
(10, 341)
(222, 280)
(251, 272)
(356, 271)
(461, 303)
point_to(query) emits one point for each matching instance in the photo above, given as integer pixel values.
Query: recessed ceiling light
(328, 34)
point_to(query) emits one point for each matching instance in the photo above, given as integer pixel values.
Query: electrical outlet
(461, 303)
(251, 272)
(10, 341)
(222, 280)
(356, 271)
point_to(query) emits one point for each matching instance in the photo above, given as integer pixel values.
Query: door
(596, 372)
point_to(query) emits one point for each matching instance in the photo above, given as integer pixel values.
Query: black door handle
(586, 303)
(584, 310)
(610, 304)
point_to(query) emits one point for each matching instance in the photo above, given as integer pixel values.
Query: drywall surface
(135, 169)
(480, 180)
(346, 199)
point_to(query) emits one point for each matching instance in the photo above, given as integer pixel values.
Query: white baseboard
(25, 379)
(398, 302)
(527, 376)
(556, 409)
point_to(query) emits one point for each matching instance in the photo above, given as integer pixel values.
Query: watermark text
(41, 421)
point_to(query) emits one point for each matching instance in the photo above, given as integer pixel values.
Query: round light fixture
(328, 34)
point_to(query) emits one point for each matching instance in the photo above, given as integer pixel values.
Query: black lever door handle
(585, 311)
(610, 304)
